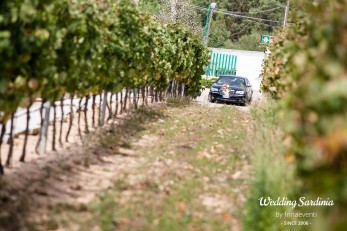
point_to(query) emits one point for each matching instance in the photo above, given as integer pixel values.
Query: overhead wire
(241, 12)
(254, 12)
(199, 8)
(247, 17)
(264, 23)
(237, 14)
(263, 11)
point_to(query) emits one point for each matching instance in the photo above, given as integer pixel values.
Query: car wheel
(210, 98)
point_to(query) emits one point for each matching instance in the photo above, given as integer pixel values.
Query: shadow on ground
(70, 177)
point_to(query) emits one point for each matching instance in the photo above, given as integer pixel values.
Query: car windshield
(232, 81)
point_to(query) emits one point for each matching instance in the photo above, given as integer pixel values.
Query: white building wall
(249, 64)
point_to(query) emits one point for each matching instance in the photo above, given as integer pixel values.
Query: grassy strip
(273, 172)
(194, 176)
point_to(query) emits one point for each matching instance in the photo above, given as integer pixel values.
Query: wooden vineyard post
(44, 128)
(103, 109)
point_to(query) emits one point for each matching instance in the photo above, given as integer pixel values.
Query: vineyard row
(70, 115)
(55, 48)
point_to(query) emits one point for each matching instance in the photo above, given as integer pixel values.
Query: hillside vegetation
(228, 31)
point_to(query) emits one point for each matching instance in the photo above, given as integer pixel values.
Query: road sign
(266, 39)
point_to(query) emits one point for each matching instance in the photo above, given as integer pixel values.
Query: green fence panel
(213, 66)
(216, 64)
(230, 65)
(234, 68)
(221, 64)
(226, 67)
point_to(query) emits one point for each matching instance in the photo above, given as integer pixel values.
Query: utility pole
(286, 15)
(209, 19)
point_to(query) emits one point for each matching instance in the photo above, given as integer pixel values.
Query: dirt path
(167, 168)
(203, 100)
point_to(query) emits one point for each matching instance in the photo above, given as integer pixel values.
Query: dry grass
(183, 167)
(193, 177)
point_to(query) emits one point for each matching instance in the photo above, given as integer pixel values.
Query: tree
(238, 27)
(224, 28)
(218, 33)
(246, 42)
(174, 11)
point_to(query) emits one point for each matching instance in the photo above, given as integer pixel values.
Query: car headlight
(240, 92)
(214, 89)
